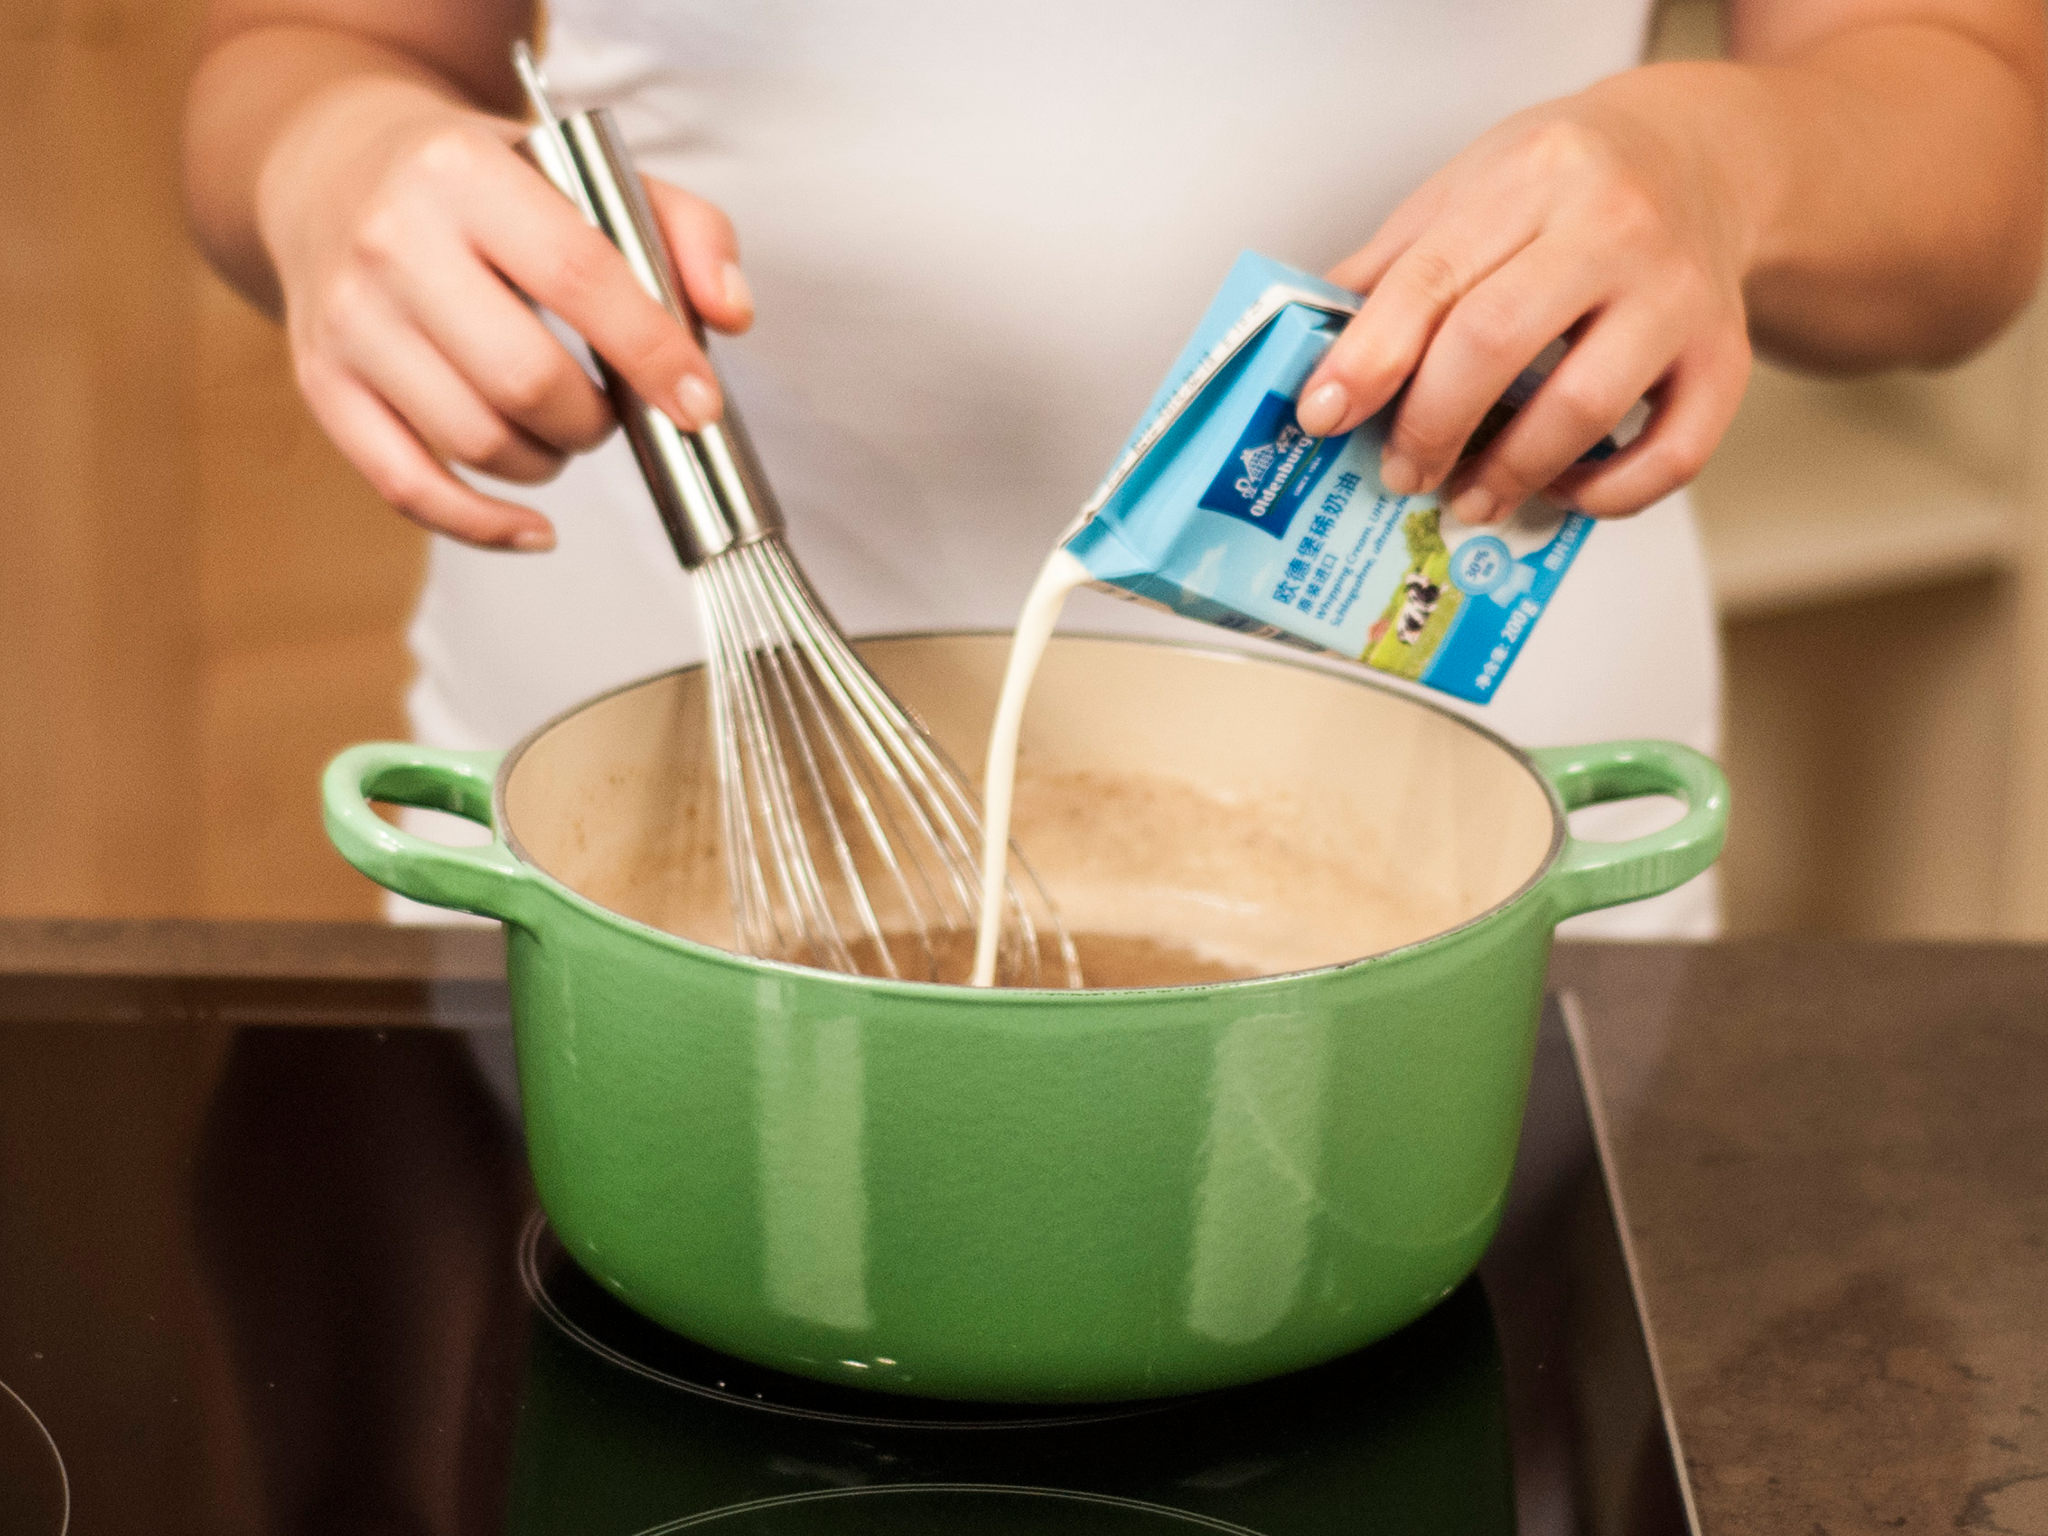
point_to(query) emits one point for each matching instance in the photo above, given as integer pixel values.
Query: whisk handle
(707, 485)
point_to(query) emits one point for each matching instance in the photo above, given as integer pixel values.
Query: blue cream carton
(1221, 508)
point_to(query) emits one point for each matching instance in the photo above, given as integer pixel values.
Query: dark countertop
(1832, 1164)
(1831, 1161)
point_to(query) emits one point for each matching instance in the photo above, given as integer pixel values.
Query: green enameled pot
(1042, 1195)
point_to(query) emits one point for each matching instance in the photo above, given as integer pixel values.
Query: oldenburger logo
(1262, 482)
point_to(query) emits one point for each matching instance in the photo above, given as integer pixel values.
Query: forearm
(1886, 182)
(1910, 229)
(264, 95)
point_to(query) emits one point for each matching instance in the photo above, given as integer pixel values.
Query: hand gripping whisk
(851, 842)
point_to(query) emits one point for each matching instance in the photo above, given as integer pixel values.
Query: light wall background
(199, 602)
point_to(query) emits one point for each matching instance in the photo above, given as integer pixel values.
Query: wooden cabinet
(198, 600)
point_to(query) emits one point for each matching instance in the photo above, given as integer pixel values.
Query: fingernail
(739, 295)
(1474, 505)
(698, 400)
(534, 540)
(1322, 409)
(1399, 474)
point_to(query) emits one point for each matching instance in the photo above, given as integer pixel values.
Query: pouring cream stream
(1059, 576)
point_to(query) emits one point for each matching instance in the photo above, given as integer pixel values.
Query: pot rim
(952, 991)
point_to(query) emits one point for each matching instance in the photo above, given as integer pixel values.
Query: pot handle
(1590, 875)
(489, 880)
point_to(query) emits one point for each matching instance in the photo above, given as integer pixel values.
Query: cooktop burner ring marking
(537, 1292)
(63, 1474)
(1067, 1495)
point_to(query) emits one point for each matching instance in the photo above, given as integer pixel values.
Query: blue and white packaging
(1221, 508)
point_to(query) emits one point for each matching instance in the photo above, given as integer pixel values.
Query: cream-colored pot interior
(1271, 816)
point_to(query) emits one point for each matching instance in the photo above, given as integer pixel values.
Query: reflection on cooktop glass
(288, 1280)
(626, 1428)
(584, 1311)
(35, 1494)
(929, 1511)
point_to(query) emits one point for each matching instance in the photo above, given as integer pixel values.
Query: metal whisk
(851, 842)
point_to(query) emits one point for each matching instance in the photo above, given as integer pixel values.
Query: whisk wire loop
(900, 745)
(754, 810)
(851, 838)
(807, 724)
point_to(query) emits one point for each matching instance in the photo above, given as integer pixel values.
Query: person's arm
(349, 166)
(1859, 186)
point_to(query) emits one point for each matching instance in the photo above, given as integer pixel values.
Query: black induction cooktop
(269, 1264)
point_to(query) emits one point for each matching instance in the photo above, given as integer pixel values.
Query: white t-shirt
(977, 236)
